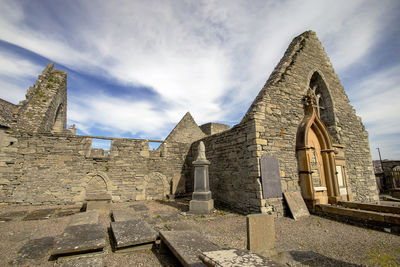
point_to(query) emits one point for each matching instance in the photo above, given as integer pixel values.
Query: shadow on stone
(39, 214)
(181, 204)
(34, 249)
(139, 207)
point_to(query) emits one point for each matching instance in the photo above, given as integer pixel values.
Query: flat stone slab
(133, 232)
(187, 246)
(80, 238)
(36, 248)
(296, 205)
(8, 216)
(83, 262)
(120, 215)
(88, 217)
(98, 197)
(163, 216)
(63, 213)
(39, 214)
(140, 207)
(236, 257)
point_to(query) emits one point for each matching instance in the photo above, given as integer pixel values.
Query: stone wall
(58, 169)
(213, 128)
(6, 113)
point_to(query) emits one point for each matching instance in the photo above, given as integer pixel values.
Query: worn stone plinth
(39, 214)
(260, 233)
(120, 215)
(236, 257)
(79, 239)
(186, 246)
(88, 217)
(296, 205)
(133, 232)
(201, 206)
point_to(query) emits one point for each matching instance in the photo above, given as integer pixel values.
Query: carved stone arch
(99, 179)
(315, 157)
(156, 186)
(326, 105)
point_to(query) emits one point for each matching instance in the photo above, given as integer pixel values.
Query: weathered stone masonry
(42, 162)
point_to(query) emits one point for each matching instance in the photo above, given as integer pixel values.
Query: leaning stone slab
(120, 215)
(80, 238)
(296, 205)
(88, 217)
(236, 257)
(39, 214)
(186, 246)
(133, 232)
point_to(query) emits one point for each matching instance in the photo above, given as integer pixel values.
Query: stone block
(260, 232)
(80, 238)
(100, 205)
(201, 206)
(296, 205)
(133, 232)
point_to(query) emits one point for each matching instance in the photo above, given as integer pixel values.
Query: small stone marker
(80, 238)
(88, 217)
(120, 215)
(186, 246)
(201, 202)
(133, 232)
(261, 233)
(296, 205)
(270, 177)
(236, 257)
(39, 214)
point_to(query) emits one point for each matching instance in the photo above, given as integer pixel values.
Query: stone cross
(316, 99)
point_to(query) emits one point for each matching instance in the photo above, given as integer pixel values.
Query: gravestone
(201, 202)
(79, 239)
(120, 215)
(88, 217)
(270, 177)
(132, 233)
(236, 257)
(186, 246)
(296, 205)
(261, 233)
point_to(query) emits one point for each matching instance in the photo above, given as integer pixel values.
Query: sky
(136, 67)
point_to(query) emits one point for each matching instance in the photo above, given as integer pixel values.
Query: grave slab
(270, 177)
(8, 216)
(36, 248)
(186, 246)
(83, 262)
(39, 214)
(88, 217)
(140, 207)
(80, 238)
(236, 257)
(120, 215)
(296, 205)
(63, 213)
(133, 232)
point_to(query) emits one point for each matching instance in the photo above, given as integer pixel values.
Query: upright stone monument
(201, 202)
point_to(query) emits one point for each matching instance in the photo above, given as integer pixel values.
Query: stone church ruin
(301, 117)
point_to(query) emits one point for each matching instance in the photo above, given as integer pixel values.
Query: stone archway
(315, 157)
(156, 186)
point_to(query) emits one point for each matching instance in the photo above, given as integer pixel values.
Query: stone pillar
(201, 202)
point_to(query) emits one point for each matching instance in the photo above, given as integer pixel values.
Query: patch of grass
(166, 226)
(378, 257)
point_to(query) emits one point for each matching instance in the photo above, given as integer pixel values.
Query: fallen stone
(133, 232)
(80, 238)
(120, 215)
(186, 245)
(88, 217)
(39, 214)
(236, 257)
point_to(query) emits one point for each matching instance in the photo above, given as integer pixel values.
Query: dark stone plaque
(270, 177)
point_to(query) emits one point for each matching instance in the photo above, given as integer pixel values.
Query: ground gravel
(323, 241)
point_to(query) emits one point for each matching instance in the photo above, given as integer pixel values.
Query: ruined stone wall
(213, 128)
(57, 169)
(45, 104)
(6, 113)
(278, 110)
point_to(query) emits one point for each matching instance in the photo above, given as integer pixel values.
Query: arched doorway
(315, 157)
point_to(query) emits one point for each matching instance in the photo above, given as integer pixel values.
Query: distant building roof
(6, 113)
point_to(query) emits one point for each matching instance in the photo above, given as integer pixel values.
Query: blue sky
(136, 67)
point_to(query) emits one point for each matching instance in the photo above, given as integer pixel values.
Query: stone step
(370, 207)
